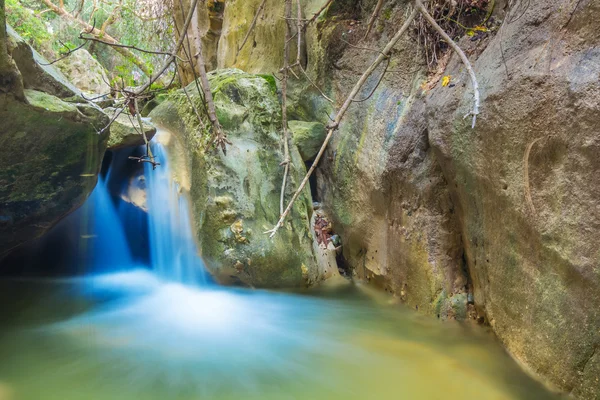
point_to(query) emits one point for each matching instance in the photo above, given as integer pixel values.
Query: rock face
(308, 137)
(236, 197)
(85, 72)
(526, 190)
(50, 152)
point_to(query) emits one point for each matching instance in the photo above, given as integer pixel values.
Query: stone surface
(50, 151)
(85, 72)
(50, 155)
(37, 75)
(525, 187)
(123, 133)
(235, 197)
(308, 137)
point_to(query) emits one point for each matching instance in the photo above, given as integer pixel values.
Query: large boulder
(85, 72)
(385, 192)
(37, 73)
(235, 197)
(526, 188)
(50, 155)
(50, 150)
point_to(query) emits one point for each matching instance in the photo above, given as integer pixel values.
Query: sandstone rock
(236, 197)
(526, 191)
(85, 72)
(308, 137)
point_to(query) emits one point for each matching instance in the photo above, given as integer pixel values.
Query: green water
(131, 336)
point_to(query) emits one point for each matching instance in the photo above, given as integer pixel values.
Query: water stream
(157, 332)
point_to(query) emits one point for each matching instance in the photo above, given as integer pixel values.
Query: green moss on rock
(236, 197)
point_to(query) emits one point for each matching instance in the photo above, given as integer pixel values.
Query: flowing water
(159, 332)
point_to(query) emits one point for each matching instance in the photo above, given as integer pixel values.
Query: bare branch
(461, 54)
(286, 70)
(334, 125)
(252, 25)
(373, 18)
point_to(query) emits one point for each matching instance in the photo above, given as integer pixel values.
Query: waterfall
(111, 229)
(103, 243)
(173, 252)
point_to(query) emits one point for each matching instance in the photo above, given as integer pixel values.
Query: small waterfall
(103, 244)
(173, 252)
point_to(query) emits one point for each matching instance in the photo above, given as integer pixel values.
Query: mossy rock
(308, 137)
(50, 155)
(235, 197)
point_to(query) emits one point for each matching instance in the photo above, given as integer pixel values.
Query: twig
(65, 55)
(461, 54)
(334, 125)
(165, 65)
(373, 18)
(252, 25)
(286, 70)
(316, 15)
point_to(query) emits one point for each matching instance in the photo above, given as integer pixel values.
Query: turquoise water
(131, 335)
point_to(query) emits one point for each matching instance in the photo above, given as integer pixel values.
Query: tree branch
(334, 125)
(461, 54)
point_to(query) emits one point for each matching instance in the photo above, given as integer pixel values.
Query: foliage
(32, 29)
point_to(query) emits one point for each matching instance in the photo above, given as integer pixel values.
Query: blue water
(103, 245)
(173, 252)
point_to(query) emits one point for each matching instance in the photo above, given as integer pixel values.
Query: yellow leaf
(470, 32)
(446, 80)
(480, 28)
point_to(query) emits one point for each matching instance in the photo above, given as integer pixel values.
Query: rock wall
(525, 186)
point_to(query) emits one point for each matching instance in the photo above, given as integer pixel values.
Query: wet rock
(50, 150)
(526, 190)
(308, 136)
(50, 155)
(236, 197)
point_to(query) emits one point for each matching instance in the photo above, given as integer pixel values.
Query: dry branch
(252, 25)
(334, 125)
(461, 54)
(286, 70)
(220, 138)
(373, 18)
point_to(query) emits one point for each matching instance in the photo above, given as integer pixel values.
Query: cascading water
(103, 245)
(173, 252)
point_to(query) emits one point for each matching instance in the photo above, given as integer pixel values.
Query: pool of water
(130, 336)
